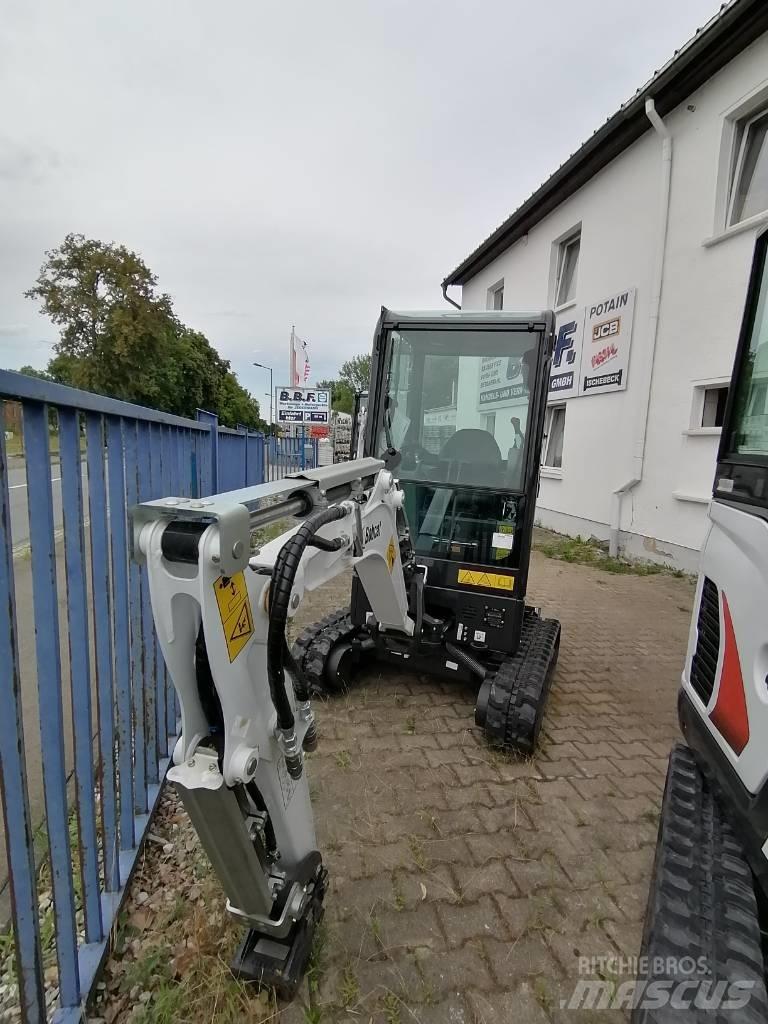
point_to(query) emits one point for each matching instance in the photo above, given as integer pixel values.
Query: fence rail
(84, 692)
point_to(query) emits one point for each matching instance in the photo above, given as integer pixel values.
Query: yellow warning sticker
(391, 552)
(235, 611)
(478, 578)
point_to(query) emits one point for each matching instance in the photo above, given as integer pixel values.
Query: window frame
(700, 389)
(563, 245)
(742, 127)
(493, 291)
(552, 410)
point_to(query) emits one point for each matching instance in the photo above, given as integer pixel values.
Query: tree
(342, 396)
(121, 337)
(356, 373)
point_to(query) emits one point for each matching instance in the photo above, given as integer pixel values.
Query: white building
(642, 242)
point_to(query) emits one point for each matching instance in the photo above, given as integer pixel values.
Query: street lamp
(271, 389)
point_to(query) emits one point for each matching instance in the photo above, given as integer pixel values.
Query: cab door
(726, 670)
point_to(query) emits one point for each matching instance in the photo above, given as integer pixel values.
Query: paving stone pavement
(465, 886)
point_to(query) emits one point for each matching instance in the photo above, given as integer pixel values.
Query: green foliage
(120, 337)
(356, 373)
(591, 552)
(342, 395)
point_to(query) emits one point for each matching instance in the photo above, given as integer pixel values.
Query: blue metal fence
(111, 694)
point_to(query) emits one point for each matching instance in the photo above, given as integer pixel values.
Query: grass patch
(418, 853)
(391, 1008)
(349, 988)
(264, 534)
(343, 759)
(579, 551)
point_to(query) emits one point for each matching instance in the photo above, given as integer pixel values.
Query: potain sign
(591, 352)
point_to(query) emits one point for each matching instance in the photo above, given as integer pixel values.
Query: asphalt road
(17, 494)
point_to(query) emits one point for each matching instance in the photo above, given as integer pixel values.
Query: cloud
(26, 164)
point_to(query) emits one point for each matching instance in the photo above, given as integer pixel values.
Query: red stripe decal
(730, 712)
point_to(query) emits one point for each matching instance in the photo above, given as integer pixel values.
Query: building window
(554, 431)
(567, 270)
(749, 188)
(490, 422)
(713, 406)
(496, 296)
(708, 411)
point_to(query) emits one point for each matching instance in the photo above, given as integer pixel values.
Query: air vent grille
(704, 664)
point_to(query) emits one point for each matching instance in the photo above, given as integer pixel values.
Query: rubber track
(702, 900)
(313, 647)
(520, 687)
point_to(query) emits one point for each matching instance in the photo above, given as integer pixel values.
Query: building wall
(704, 285)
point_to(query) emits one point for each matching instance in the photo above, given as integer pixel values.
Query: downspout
(447, 297)
(644, 389)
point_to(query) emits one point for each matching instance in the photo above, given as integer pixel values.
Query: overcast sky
(296, 162)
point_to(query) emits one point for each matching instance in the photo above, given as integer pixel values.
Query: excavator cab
(455, 410)
(460, 397)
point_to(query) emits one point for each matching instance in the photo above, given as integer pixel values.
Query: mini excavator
(435, 527)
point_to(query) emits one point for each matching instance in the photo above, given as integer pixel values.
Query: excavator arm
(221, 608)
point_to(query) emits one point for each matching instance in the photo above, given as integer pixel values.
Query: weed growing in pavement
(418, 853)
(343, 759)
(542, 994)
(349, 988)
(397, 892)
(391, 1007)
(592, 552)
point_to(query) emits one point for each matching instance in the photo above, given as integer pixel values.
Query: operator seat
(463, 459)
(470, 450)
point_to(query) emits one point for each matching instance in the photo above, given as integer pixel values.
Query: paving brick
(416, 799)
(474, 882)
(492, 846)
(467, 796)
(465, 921)
(454, 972)
(450, 755)
(450, 850)
(559, 767)
(533, 874)
(406, 931)
(510, 816)
(471, 775)
(627, 935)
(636, 864)
(517, 1006)
(631, 898)
(525, 957)
(533, 913)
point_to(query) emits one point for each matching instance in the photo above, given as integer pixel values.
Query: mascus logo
(607, 329)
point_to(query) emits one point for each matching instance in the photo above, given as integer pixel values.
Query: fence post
(15, 799)
(303, 449)
(212, 419)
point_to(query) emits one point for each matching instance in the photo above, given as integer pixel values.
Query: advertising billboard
(591, 351)
(302, 407)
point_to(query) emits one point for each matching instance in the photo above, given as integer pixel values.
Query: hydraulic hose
(283, 576)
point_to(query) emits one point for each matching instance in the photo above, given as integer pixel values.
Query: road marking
(15, 487)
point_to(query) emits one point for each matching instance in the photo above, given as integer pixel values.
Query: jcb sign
(606, 330)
